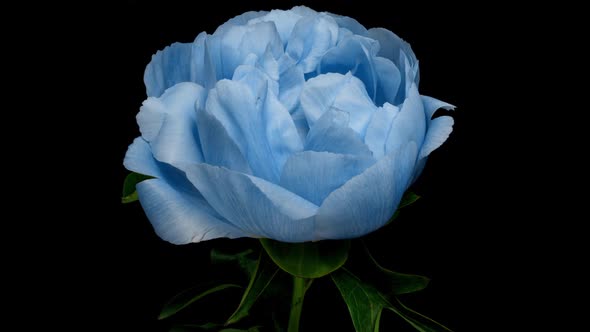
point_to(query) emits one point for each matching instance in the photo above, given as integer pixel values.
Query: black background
(451, 235)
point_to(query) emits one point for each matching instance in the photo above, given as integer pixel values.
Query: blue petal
(229, 47)
(388, 82)
(311, 37)
(169, 124)
(139, 158)
(379, 128)
(257, 207)
(257, 80)
(259, 124)
(367, 201)
(218, 147)
(432, 104)
(241, 19)
(391, 46)
(439, 130)
(353, 54)
(179, 214)
(350, 24)
(284, 20)
(409, 125)
(343, 92)
(202, 67)
(331, 133)
(314, 175)
(301, 124)
(290, 85)
(400, 53)
(167, 68)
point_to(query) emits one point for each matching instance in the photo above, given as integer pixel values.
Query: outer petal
(368, 200)
(139, 159)
(314, 175)
(260, 126)
(179, 213)
(258, 207)
(439, 130)
(311, 37)
(343, 92)
(432, 104)
(169, 124)
(331, 133)
(167, 68)
(409, 125)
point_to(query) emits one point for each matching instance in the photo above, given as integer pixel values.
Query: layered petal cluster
(293, 125)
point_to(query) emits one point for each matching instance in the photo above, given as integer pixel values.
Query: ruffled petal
(331, 133)
(256, 206)
(169, 124)
(311, 37)
(391, 46)
(314, 175)
(167, 68)
(367, 201)
(231, 45)
(202, 67)
(353, 54)
(336, 91)
(400, 53)
(284, 20)
(259, 125)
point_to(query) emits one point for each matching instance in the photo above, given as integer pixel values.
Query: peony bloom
(291, 125)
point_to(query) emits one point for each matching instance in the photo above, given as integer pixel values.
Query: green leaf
(244, 260)
(365, 304)
(263, 274)
(363, 301)
(417, 320)
(309, 259)
(408, 198)
(129, 193)
(189, 296)
(394, 282)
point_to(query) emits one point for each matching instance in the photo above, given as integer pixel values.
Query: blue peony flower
(291, 125)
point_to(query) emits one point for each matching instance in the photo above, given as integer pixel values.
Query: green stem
(300, 286)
